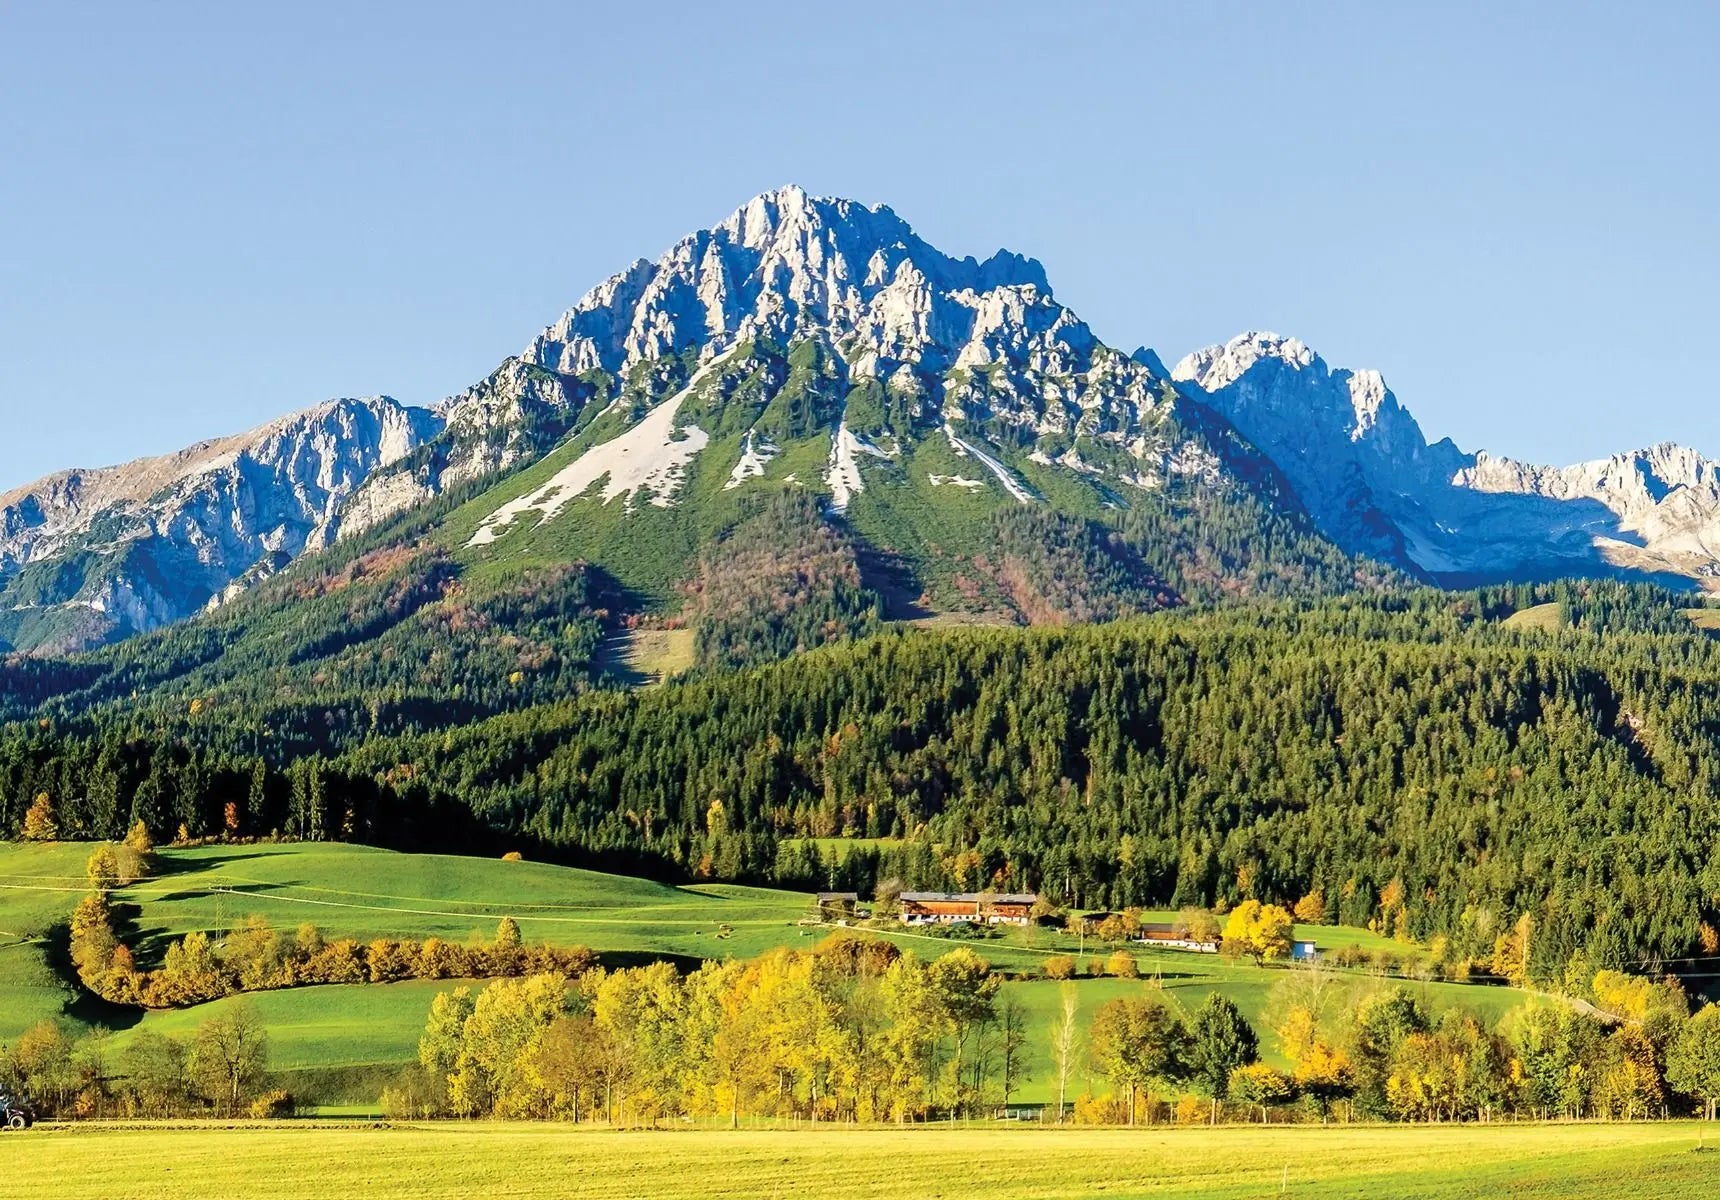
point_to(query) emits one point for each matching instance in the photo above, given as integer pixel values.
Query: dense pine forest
(1428, 766)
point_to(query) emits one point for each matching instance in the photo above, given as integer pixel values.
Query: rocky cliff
(1361, 465)
(820, 344)
(92, 555)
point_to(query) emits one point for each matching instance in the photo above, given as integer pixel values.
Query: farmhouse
(980, 908)
(1175, 937)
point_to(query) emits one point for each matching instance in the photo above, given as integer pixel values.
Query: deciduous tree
(1221, 1041)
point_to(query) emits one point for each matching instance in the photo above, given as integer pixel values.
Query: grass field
(355, 891)
(1549, 617)
(1706, 618)
(362, 892)
(648, 655)
(39, 885)
(1619, 1162)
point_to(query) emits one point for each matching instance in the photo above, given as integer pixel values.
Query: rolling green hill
(39, 884)
(364, 893)
(340, 1041)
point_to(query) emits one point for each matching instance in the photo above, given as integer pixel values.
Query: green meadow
(342, 1040)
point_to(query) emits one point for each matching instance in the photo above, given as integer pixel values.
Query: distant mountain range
(971, 442)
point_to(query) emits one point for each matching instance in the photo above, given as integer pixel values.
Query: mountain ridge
(938, 384)
(1362, 463)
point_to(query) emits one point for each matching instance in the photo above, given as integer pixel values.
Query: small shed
(835, 905)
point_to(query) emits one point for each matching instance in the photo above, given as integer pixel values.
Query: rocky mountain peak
(1268, 369)
(1219, 366)
(803, 330)
(1360, 464)
(781, 264)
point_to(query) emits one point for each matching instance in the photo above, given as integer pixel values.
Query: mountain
(920, 434)
(819, 347)
(851, 328)
(1359, 462)
(88, 556)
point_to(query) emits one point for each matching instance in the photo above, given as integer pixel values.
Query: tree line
(255, 957)
(220, 1070)
(856, 1031)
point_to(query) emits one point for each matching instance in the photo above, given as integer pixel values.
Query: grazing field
(39, 885)
(330, 1026)
(359, 1032)
(1706, 618)
(1619, 1162)
(362, 892)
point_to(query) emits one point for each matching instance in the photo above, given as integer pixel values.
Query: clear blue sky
(214, 214)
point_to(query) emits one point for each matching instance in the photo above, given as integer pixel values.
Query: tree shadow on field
(615, 960)
(165, 867)
(84, 1006)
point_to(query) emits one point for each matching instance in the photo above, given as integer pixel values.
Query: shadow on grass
(169, 863)
(614, 960)
(84, 1006)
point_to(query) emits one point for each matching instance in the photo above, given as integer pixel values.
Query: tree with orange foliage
(1311, 909)
(40, 823)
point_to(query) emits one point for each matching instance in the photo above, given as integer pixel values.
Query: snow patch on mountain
(648, 457)
(1005, 476)
(842, 476)
(756, 454)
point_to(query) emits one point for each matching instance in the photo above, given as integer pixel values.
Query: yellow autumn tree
(40, 823)
(1261, 931)
(1511, 951)
(138, 841)
(1311, 909)
(103, 868)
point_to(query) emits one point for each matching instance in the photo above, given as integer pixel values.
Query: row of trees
(853, 1030)
(221, 1069)
(255, 957)
(856, 1031)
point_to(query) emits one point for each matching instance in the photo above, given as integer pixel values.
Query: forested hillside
(1425, 767)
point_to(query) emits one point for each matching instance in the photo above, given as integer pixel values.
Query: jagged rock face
(801, 331)
(950, 340)
(784, 265)
(1360, 464)
(1354, 455)
(510, 418)
(1655, 510)
(90, 555)
(965, 339)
